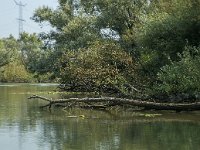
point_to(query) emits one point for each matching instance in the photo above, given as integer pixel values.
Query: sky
(9, 12)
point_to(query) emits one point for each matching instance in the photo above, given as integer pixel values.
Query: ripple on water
(45, 84)
(8, 85)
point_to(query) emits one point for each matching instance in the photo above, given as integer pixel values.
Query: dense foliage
(24, 59)
(128, 47)
(103, 66)
(180, 80)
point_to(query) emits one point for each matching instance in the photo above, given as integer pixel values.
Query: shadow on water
(28, 127)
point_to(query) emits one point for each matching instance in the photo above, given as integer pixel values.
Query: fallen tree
(106, 102)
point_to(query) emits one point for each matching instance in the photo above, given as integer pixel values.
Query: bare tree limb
(122, 101)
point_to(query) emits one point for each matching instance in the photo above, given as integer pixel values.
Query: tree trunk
(112, 101)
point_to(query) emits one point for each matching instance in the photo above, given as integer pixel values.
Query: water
(23, 126)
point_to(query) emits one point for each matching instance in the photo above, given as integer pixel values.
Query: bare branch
(122, 101)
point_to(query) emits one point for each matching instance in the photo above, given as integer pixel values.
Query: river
(23, 126)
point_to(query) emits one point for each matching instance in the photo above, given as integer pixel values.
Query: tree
(119, 45)
(76, 22)
(72, 30)
(11, 67)
(33, 54)
(81, 27)
(8, 50)
(121, 18)
(166, 32)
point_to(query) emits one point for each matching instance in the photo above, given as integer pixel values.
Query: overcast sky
(9, 12)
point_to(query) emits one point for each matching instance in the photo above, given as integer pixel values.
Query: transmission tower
(20, 19)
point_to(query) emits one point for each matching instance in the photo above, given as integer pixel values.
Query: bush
(182, 77)
(102, 66)
(165, 33)
(15, 72)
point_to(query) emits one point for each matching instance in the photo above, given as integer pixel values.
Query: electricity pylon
(20, 19)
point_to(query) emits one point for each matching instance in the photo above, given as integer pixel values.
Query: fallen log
(112, 101)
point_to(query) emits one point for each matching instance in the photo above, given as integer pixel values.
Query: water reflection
(24, 126)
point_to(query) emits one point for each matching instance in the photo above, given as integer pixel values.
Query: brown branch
(40, 97)
(122, 101)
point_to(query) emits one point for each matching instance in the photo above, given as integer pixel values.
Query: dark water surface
(23, 126)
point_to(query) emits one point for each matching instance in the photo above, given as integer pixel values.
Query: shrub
(15, 72)
(165, 33)
(182, 77)
(102, 66)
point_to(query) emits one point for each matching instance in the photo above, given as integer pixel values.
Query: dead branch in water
(106, 102)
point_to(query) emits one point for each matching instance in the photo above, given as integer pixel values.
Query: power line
(20, 19)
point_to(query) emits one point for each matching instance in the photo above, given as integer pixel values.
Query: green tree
(120, 18)
(92, 42)
(8, 50)
(169, 47)
(77, 25)
(166, 31)
(11, 68)
(33, 54)
(180, 78)
(72, 30)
